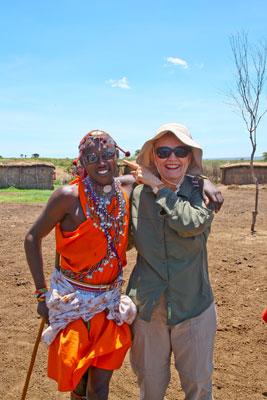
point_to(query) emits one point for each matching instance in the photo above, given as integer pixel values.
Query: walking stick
(37, 341)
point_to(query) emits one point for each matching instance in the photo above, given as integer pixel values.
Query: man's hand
(43, 311)
(211, 193)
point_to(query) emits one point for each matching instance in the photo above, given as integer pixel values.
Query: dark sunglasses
(92, 158)
(179, 151)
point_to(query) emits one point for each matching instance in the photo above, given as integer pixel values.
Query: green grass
(216, 162)
(14, 195)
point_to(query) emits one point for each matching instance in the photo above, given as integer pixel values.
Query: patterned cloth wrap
(67, 304)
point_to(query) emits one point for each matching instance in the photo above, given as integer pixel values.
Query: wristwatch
(156, 189)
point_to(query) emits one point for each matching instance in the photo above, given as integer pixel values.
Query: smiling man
(88, 335)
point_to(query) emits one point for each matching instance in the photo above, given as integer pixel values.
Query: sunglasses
(92, 158)
(179, 151)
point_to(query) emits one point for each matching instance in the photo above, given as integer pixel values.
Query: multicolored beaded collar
(110, 222)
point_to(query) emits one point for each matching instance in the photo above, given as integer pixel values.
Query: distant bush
(64, 163)
(212, 171)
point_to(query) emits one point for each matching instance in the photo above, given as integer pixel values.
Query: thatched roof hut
(27, 175)
(240, 174)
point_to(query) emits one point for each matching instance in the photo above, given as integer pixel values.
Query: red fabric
(105, 345)
(264, 316)
(87, 245)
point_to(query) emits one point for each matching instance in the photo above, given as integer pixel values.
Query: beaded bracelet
(201, 177)
(40, 294)
(78, 396)
(196, 178)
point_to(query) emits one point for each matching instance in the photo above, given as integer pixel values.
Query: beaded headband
(89, 139)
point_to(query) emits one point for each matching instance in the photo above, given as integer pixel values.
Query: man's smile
(103, 171)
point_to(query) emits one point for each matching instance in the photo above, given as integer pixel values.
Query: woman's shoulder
(141, 188)
(189, 187)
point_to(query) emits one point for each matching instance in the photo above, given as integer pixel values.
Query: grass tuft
(14, 195)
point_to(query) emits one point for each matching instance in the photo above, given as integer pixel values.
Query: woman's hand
(143, 175)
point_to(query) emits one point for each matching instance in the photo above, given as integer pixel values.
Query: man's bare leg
(80, 391)
(98, 383)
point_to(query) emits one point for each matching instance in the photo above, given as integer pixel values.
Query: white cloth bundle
(67, 304)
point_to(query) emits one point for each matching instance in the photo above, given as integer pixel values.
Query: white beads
(107, 221)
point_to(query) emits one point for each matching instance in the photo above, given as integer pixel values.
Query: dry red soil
(238, 266)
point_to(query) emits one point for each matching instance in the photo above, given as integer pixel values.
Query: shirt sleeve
(188, 217)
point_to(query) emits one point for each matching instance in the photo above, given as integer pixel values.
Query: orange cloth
(75, 348)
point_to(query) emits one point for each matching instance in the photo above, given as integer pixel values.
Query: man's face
(100, 161)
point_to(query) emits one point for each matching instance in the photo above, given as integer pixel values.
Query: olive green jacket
(170, 233)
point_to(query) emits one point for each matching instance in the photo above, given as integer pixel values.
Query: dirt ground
(238, 266)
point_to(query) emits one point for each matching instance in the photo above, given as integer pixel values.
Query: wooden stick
(37, 341)
(57, 260)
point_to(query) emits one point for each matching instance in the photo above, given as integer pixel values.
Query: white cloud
(121, 83)
(177, 61)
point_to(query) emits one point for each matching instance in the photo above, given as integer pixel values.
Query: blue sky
(126, 67)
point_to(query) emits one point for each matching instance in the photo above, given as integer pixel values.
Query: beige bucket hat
(145, 157)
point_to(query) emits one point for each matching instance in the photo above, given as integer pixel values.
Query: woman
(170, 283)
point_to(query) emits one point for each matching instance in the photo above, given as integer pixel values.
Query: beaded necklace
(111, 223)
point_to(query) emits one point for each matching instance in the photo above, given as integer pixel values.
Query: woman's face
(172, 168)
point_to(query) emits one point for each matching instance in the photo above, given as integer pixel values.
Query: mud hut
(124, 169)
(26, 175)
(240, 174)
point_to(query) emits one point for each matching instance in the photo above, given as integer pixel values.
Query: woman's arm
(187, 218)
(208, 190)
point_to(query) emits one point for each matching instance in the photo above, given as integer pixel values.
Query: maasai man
(88, 335)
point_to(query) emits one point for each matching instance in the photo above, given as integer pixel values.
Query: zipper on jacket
(169, 311)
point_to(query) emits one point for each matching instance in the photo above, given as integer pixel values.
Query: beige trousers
(191, 342)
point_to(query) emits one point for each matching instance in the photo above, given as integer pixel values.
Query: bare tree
(250, 63)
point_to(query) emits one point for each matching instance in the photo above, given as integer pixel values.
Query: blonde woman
(170, 282)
